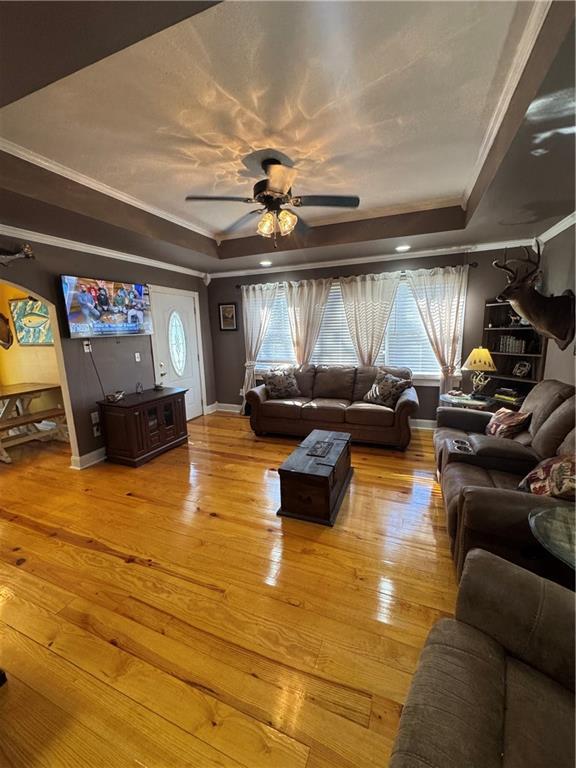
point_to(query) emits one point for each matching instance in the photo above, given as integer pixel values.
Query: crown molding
(69, 173)
(472, 248)
(529, 36)
(557, 228)
(97, 250)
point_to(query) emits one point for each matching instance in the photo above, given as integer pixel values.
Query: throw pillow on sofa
(507, 423)
(281, 383)
(386, 390)
(552, 477)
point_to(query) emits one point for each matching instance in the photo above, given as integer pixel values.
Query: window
(334, 345)
(277, 345)
(177, 343)
(405, 344)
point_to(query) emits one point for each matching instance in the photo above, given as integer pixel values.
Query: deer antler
(504, 267)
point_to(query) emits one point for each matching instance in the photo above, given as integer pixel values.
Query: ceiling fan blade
(213, 198)
(280, 178)
(328, 201)
(240, 222)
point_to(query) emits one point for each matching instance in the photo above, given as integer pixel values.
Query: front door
(175, 344)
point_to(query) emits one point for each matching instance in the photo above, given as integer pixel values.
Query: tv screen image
(106, 308)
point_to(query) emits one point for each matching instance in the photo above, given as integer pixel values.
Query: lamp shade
(479, 359)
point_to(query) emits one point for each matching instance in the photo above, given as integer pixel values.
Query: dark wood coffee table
(314, 478)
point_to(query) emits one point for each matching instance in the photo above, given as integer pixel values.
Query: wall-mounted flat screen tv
(106, 308)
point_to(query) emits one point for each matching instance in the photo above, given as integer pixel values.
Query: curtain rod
(472, 265)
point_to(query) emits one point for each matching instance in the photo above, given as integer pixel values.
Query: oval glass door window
(177, 343)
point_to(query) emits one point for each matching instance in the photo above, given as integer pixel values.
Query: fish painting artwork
(6, 337)
(31, 322)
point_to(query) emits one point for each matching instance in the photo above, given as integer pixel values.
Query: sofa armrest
(501, 512)
(533, 618)
(467, 419)
(257, 395)
(408, 402)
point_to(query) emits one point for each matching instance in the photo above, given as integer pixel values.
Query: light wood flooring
(166, 617)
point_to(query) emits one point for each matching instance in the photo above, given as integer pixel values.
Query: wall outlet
(96, 431)
(95, 417)
(137, 356)
(87, 344)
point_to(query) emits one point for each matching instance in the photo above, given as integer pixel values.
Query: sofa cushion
(538, 723)
(386, 389)
(455, 708)
(325, 409)
(543, 400)
(366, 375)
(568, 445)
(305, 379)
(370, 415)
(552, 477)
(553, 431)
(458, 475)
(334, 381)
(287, 408)
(281, 383)
(507, 423)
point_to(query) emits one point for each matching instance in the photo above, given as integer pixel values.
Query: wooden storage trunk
(312, 487)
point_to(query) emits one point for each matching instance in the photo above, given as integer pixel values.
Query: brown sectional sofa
(495, 686)
(484, 507)
(332, 399)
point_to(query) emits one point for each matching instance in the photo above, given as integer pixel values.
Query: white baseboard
(229, 407)
(423, 423)
(88, 459)
(210, 408)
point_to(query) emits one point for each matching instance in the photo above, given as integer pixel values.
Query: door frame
(194, 295)
(62, 373)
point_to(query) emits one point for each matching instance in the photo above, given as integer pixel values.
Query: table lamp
(479, 361)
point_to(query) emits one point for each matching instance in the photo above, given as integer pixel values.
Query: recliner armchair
(495, 686)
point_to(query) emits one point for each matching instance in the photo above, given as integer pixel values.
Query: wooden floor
(165, 617)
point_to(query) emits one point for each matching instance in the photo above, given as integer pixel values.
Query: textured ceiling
(387, 100)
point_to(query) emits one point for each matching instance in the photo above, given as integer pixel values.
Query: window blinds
(406, 343)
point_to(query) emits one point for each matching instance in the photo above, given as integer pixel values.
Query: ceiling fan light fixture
(267, 225)
(286, 221)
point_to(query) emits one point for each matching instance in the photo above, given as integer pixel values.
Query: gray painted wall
(558, 268)
(114, 357)
(484, 282)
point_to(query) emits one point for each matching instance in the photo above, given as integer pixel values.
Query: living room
(287, 484)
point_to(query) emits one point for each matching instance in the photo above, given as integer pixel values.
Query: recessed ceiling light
(265, 263)
(402, 248)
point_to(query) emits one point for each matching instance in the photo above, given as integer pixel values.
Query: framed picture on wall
(31, 322)
(227, 315)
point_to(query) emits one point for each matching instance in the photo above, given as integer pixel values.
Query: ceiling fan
(272, 194)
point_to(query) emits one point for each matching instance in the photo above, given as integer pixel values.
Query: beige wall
(558, 267)
(24, 364)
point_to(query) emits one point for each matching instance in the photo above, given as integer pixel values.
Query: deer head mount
(552, 316)
(6, 257)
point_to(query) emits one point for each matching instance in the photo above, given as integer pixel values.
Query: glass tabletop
(555, 529)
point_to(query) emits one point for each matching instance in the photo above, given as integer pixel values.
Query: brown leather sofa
(332, 399)
(495, 686)
(484, 507)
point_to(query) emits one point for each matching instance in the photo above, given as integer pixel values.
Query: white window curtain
(306, 301)
(257, 304)
(368, 302)
(440, 295)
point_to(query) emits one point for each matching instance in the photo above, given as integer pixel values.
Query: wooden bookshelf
(511, 342)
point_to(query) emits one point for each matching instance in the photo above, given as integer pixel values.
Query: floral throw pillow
(507, 423)
(552, 477)
(386, 389)
(281, 383)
